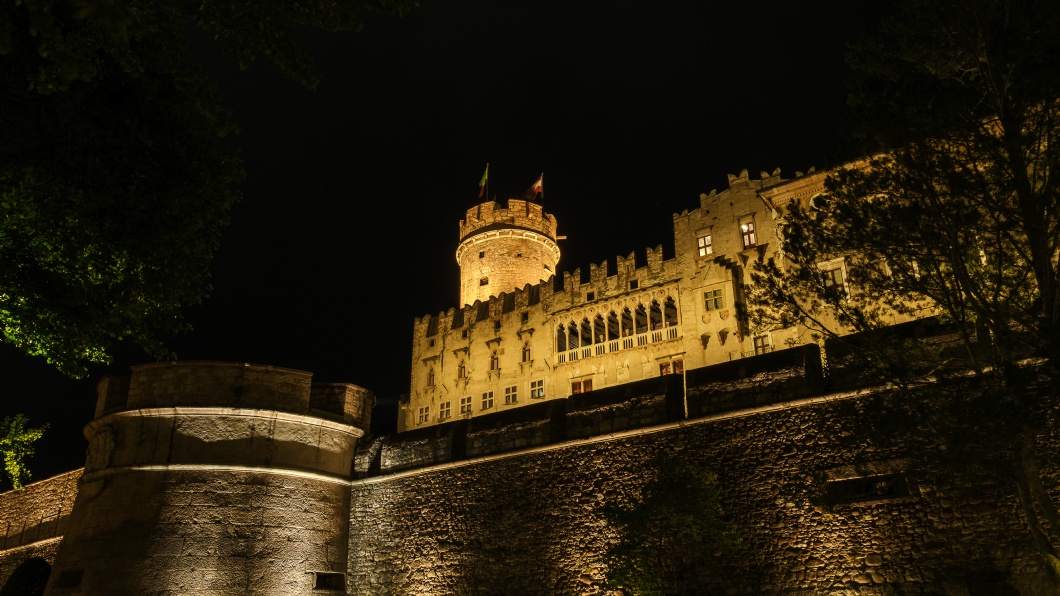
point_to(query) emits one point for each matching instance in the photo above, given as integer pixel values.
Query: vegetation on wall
(956, 214)
(675, 531)
(16, 444)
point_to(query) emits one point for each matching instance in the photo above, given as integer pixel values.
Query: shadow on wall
(28, 579)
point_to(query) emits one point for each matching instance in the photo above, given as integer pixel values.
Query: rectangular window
(834, 279)
(511, 395)
(481, 254)
(495, 360)
(526, 352)
(497, 325)
(465, 404)
(445, 410)
(524, 316)
(583, 386)
(747, 233)
(762, 345)
(664, 368)
(590, 296)
(634, 284)
(425, 414)
(713, 300)
(485, 281)
(461, 370)
(537, 389)
(463, 334)
(706, 245)
(487, 400)
(868, 488)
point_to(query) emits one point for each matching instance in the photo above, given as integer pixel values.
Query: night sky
(348, 225)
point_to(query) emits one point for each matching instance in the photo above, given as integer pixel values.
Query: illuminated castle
(524, 335)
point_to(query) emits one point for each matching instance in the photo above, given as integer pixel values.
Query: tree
(115, 177)
(673, 531)
(16, 444)
(955, 214)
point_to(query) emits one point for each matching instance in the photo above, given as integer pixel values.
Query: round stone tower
(503, 249)
(214, 478)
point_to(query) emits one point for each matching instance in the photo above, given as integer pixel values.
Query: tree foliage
(115, 179)
(16, 445)
(675, 531)
(956, 213)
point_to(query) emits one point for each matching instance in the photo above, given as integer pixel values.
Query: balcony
(617, 345)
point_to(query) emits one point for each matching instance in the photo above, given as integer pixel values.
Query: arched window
(613, 331)
(599, 330)
(561, 339)
(655, 315)
(627, 322)
(586, 333)
(461, 370)
(670, 312)
(526, 352)
(430, 377)
(495, 360)
(641, 319)
(572, 336)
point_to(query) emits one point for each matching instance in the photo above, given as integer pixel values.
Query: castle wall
(34, 520)
(210, 477)
(532, 521)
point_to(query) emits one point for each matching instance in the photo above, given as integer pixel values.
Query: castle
(233, 478)
(521, 336)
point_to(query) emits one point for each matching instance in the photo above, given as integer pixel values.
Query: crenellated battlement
(518, 214)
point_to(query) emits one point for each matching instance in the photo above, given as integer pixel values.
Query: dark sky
(348, 225)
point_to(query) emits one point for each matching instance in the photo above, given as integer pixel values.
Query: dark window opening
(634, 284)
(70, 578)
(430, 343)
(670, 312)
(590, 296)
(586, 337)
(330, 581)
(485, 281)
(481, 254)
(641, 318)
(561, 339)
(868, 488)
(497, 325)
(524, 316)
(612, 326)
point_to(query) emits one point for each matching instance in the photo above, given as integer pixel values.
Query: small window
(634, 284)
(747, 233)
(537, 389)
(430, 343)
(465, 404)
(835, 280)
(485, 281)
(330, 581)
(430, 377)
(497, 325)
(461, 370)
(664, 368)
(762, 345)
(583, 386)
(713, 300)
(487, 400)
(463, 334)
(679, 366)
(526, 352)
(524, 316)
(425, 414)
(673, 367)
(590, 296)
(481, 254)
(445, 410)
(868, 488)
(511, 395)
(495, 360)
(706, 245)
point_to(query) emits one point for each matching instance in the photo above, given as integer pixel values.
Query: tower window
(485, 281)
(524, 316)
(747, 232)
(590, 296)
(634, 284)
(537, 389)
(713, 300)
(526, 352)
(706, 245)
(481, 254)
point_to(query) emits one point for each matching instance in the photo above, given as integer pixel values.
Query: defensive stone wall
(34, 519)
(800, 478)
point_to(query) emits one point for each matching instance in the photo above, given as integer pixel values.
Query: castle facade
(525, 334)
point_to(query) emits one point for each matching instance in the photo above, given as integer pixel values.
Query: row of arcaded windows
(571, 335)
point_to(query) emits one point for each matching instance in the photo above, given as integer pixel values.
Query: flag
(482, 183)
(538, 188)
